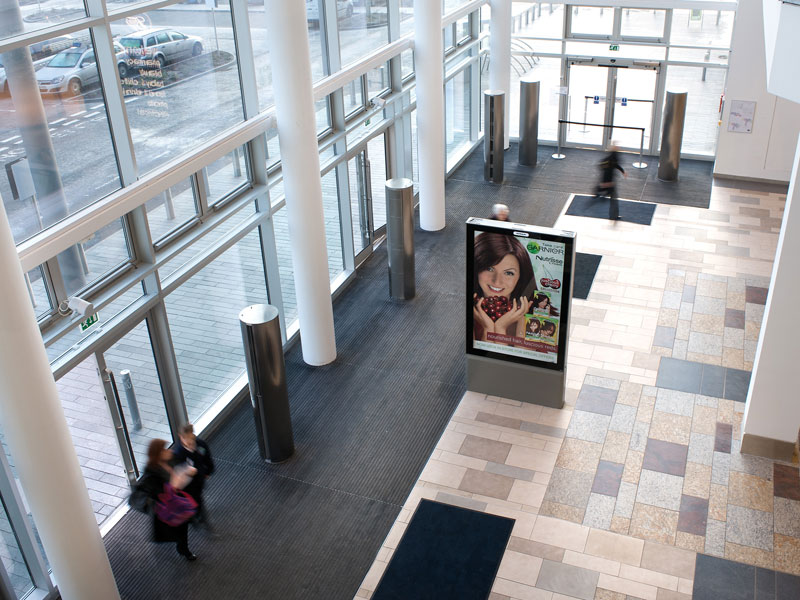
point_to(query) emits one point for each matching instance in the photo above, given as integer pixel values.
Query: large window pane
(545, 22)
(457, 116)
(702, 27)
(378, 80)
(203, 317)
(548, 72)
(704, 87)
(353, 96)
(35, 16)
(363, 27)
(227, 175)
(171, 209)
(280, 224)
(182, 85)
(592, 20)
(45, 179)
(38, 291)
(95, 256)
(333, 230)
(406, 16)
(12, 558)
(640, 22)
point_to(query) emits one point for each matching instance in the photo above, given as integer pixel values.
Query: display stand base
(523, 383)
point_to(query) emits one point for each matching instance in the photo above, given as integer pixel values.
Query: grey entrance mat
(579, 173)
(598, 208)
(364, 427)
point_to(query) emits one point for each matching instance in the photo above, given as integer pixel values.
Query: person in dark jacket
(607, 186)
(157, 474)
(195, 452)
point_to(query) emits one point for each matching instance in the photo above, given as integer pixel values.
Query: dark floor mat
(585, 269)
(446, 552)
(597, 208)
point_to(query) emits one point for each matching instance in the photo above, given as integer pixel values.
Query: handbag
(175, 507)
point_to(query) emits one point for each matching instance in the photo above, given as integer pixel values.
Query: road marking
(91, 114)
(78, 113)
(70, 122)
(58, 121)
(96, 106)
(9, 139)
(4, 149)
(18, 142)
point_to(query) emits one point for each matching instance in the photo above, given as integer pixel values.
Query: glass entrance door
(367, 173)
(610, 102)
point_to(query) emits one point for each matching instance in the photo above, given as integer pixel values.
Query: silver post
(585, 114)
(237, 168)
(558, 155)
(130, 397)
(640, 164)
(169, 204)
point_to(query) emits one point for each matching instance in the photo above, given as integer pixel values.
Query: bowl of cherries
(495, 306)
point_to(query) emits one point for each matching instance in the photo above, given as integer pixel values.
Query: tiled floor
(616, 494)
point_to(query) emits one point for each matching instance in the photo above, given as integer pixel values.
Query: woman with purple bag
(171, 506)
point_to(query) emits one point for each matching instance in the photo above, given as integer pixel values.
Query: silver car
(41, 52)
(71, 71)
(163, 45)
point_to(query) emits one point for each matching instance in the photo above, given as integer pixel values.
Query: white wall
(768, 152)
(773, 410)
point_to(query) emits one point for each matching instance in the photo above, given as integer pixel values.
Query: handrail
(637, 165)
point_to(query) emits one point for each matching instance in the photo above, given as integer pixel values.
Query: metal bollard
(130, 397)
(672, 136)
(493, 135)
(400, 237)
(528, 121)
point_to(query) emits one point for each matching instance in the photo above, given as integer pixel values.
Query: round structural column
(39, 441)
(294, 107)
(500, 54)
(428, 63)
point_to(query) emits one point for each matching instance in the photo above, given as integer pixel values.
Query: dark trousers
(610, 191)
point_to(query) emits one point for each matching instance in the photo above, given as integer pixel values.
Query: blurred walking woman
(172, 511)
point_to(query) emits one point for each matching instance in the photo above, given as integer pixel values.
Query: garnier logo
(533, 247)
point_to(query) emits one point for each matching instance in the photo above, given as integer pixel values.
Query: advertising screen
(518, 292)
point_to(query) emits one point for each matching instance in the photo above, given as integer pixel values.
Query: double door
(610, 101)
(367, 174)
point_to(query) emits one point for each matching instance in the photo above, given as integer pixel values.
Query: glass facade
(161, 119)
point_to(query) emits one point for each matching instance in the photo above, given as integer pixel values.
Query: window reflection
(228, 174)
(363, 27)
(170, 209)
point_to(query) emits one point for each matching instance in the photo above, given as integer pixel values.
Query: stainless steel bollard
(528, 121)
(130, 397)
(493, 136)
(672, 136)
(266, 373)
(400, 237)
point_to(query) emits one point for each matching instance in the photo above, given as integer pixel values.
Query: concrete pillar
(772, 414)
(428, 62)
(500, 54)
(38, 438)
(294, 106)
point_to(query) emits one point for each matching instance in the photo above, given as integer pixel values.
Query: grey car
(75, 69)
(163, 45)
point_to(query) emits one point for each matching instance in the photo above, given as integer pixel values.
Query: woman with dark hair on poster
(542, 305)
(503, 279)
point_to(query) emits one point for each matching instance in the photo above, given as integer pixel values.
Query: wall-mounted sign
(613, 47)
(742, 114)
(518, 292)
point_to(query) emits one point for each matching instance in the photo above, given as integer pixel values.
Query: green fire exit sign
(613, 47)
(86, 324)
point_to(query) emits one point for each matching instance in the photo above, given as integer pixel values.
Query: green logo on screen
(533, 247)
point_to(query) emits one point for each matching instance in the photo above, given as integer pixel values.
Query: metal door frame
(612, 64)
(364, 172)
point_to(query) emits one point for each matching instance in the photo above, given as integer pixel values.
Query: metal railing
(638, 165)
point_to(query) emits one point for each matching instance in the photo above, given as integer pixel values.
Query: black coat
(201, 460)
(153, 482)
(608, 166)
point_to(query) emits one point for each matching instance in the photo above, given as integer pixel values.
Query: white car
(73, 70)
(41, 52)
(344, 10)
(163, 45)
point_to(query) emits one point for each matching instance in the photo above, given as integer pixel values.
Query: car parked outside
(163, 45)
(41, 52)
(344, 10)
(75, 69)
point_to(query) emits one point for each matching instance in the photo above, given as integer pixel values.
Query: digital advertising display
(519, 281)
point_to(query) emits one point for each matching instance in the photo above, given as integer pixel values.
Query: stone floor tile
(496, 596)
(569, 487)
(748, 527)
(509, 471)
(518, 591)
(689, 293)
(787, 516)
(705, 343)
(664, 336)
(665, 457)
(625, 499)
(548, 430)
(737, 383)
(720, 468)
(487, 484)
(713, 383)
(734, 318)
(492, 419)
(659, 489)
(669, 427)
(749, 555)
(623, 418)
(654, 523)
(709, 306)
(733, 358)
(534, 460)
(620, 525)
(568, 580)
(602, 382)
(685, 311)
(701, 449)
(535, 549)
(443, 474)
(593, 563)
(599, 511)
(676, 402)
(710, 324)
(755, 295)
(671, 299)
(612, 546)
(520, 567)
(787, 554)
(615, 448)
(754, 465)
(588, 426)
(579, 455)
(596, 399)
(682, 331)
(733, 338)
(697, 480)
(677, 374)
(668, 317)
(633, 466)
(629, 393)
(484, 449)
(786, 480)
(641, 429)
(562, 511)
(461, 501)
(750, 491)
(561, 534)
(704, 420)
(607, 478)
(715, 538)
(689, 541)
(693, 515)
(723, 437)
(527, 493)
(718, 502)
(703, 400)
(654, 578)
(646, 406)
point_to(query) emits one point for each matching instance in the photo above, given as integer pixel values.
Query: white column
(429, 67)
(294, 107)
(772, 410)
(39, 441)
(500, 54)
